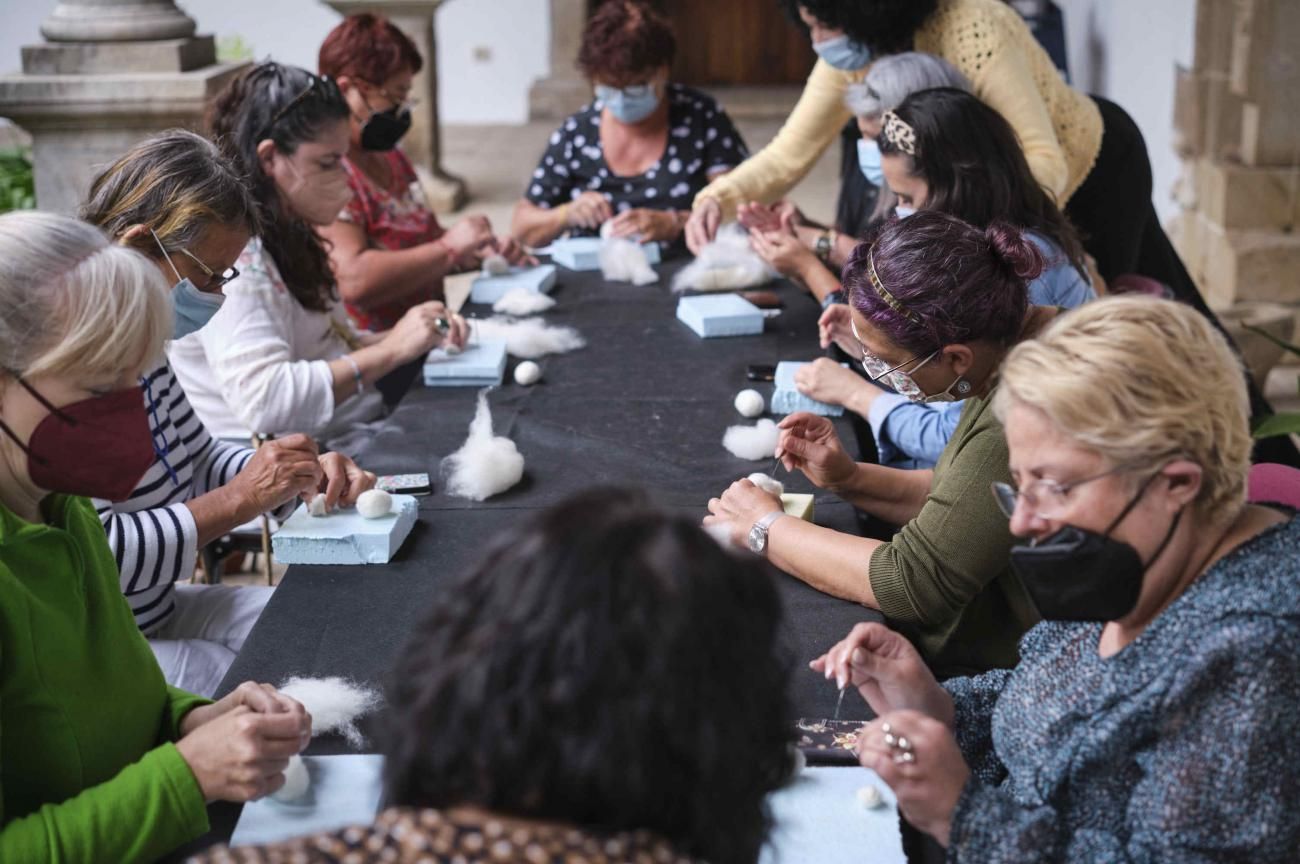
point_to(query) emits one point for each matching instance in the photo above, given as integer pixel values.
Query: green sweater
(946, 577)
(87, 770)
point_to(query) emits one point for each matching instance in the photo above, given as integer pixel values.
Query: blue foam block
(786, 398)
(490, 289)
(711, 315)
(583, 253)
(344, 536)
(481, 364)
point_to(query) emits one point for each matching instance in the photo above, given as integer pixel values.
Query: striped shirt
(153, 534)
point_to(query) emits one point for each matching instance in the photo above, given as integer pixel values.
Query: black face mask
(384, 129)
(1079, 575)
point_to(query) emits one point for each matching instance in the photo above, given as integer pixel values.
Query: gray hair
(73, 302)
(893, 78)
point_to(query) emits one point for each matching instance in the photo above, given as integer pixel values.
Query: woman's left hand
(662, 226)
(827, 381)
(929, 781)
(739, 508)
(258, 698)
(344, 480)
(784, 252)
(514, 252)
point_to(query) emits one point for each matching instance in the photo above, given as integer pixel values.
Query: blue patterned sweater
(1182, 747)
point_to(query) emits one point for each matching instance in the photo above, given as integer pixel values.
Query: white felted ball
(752, 442)
(296, 781)
(374, 504)
(334, 704)
(316, 507)
(485, 465)
(750, 403)
(495, 265)
(521, 302)
(528, 373)
(530, 338)
(767, 484)
(870, 797)
(451, 349)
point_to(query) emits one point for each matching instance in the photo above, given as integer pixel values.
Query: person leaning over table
(280, 355)
(176, 199)
(1152, 716)
(637, 156)
(526, 722)
(936, 306)
(100, 760)
(943, 150)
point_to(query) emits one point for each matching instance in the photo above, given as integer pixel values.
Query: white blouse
(261, 365)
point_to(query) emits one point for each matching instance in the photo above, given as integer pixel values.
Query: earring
(963, 387)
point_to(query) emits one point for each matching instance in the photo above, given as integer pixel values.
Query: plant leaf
(1278, 424)
(1294, 349)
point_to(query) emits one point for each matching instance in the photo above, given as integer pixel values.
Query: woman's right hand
(809, 444)
(835, 325)
(418, 332)
(241, 754)
(887, 671)
(589, 211)
(279, 470)
(703, 225)
(469, 238)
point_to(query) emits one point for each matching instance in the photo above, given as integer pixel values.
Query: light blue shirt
(912, 435)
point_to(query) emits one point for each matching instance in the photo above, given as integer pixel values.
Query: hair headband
(899, 133)
(883, 292)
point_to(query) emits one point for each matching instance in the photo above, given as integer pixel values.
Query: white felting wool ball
(752, 442)
(528, 373)
(334, 705)
(451, 349)
(750, 403)
(530, 338)
(767, 484)
(374, 504)
(521, 302)
(296, 781)
(316, 507)
(485, 465)
(495, 265)
(870, 797)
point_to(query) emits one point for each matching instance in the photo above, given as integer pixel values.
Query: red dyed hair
(625, 40)
(368, 47)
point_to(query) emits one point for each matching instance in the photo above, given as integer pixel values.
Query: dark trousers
(1113, 212)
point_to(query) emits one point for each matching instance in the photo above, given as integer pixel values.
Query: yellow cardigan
(1059, 127)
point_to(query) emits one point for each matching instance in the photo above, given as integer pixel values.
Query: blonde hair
(1141, 381)
(70, 300)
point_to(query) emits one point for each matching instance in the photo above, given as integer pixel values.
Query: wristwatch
(823, 246)
(757, 540)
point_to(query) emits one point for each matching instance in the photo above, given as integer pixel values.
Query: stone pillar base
(100, 58)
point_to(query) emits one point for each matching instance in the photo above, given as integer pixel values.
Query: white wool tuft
(520, 302)
(485, 465)
(768, 484)
(750, 403)
(495, 265)
(316, 507)
(721, 534)
(528, 373)
(752, 442)
(870, 797)
(374, 504)
(726, 264)
(296, 781)
(334, 704)
(530, 338)
(623, 260)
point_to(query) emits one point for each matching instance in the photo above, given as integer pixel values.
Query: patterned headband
(881, 290)
(899, 133)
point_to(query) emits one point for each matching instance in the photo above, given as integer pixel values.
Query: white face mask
(903, 212)
(320, 196)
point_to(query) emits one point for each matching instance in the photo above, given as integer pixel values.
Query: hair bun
(1015, 250)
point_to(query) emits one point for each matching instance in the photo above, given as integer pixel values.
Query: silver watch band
(758, 533)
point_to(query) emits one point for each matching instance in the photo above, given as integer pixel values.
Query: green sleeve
(180, 703)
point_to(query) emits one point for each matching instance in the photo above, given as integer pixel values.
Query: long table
(645, 404)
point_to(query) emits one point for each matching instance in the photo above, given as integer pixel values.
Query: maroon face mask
(98, 447)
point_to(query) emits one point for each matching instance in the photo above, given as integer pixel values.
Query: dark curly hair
(624, 41)
(607, 665)
(971, 160)
(289, 106)
(369, 47)
(885, 26)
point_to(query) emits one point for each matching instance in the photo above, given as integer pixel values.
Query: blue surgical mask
(869, 161)
(903, 212)
(629, 104)
(843, 53)
(192, 308)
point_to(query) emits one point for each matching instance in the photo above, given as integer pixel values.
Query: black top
(701, 142)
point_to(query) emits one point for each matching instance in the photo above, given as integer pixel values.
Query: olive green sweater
(87, 770)
(946, 578)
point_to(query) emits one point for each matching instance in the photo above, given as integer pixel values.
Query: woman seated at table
(280, 355)
(936, 306)
(942, 150)
(553, 706)
(175, 198)
(388, 251)
(636, 156)
(102, 761)
(1152, 716)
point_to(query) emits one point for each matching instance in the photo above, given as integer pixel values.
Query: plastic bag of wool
(726, 264)
(485, 465)
(527, 339)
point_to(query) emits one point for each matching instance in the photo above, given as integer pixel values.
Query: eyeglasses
(314, 81)
(1046, 498)
(215, 281)
(899, 381)
(400, 104)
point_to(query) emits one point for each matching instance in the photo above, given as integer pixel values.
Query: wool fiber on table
(530, 338)
(624, 260)
(726, 264)
(520, 302)
(752, 442)
(486, 464)
(335, 704)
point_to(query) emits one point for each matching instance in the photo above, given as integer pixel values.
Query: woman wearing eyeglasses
(936, 306)
(1152, 716)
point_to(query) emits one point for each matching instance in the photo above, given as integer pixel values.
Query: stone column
(109, 73)
(565, 90)
(423, 144)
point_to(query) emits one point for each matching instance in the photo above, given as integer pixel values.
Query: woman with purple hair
(937, 304)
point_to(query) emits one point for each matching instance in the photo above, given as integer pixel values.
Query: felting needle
(839, 702)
